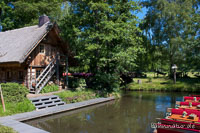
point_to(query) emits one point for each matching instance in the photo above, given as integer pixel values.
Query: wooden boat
(195, 98)
(184, 119)
(188, 105)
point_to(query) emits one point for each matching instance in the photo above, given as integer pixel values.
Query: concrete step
(46, 101)
(32, 92)
(49, 105)
(43, 98)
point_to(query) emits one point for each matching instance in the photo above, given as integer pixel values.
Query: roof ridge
(18, 29)
(25, 27)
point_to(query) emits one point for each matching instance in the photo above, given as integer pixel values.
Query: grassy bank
(76, 96)
(16, 107)
(4, 129)
(15, 99)
(165, 84)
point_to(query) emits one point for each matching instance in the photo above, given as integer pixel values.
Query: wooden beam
(10, 65)
(57, 69)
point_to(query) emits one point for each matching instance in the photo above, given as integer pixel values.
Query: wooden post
(2, 100)
(31, 77)
(57, 69)
(67, 71)
(174, 76)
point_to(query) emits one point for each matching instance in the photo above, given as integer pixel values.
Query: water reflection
(133, 113)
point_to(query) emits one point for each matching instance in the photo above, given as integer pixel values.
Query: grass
(50, 88)
(76, 96)
(4, 129)
(165, 84)
(18, 107)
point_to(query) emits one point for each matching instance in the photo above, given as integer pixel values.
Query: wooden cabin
(32, 55)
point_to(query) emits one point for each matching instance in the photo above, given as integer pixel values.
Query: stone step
(46, 101)
(43, 98)
(49, 105)
(32, 92)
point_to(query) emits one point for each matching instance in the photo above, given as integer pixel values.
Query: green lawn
(165, 84)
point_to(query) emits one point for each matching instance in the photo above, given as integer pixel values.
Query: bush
(17, 107)
(4, 129)
(14, 92)
(74, 82)
(50, 88)
(106, 83)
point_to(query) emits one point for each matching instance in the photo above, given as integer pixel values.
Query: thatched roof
(16, 44)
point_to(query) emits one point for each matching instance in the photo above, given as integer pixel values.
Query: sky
(142, 14)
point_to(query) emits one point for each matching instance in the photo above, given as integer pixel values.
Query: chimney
(43, 19)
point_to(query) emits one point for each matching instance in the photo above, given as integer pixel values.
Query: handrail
(48, 77)
(45, 69)
(44, 77)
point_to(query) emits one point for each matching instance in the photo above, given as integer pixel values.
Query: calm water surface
(133, 113)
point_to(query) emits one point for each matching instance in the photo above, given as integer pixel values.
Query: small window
(21, 74)
(37, 73)
(41, 48)
(9, 75)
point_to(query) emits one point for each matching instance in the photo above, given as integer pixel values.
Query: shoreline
(15, 121)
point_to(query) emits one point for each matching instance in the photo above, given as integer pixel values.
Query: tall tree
(19, 13)
(172, 24)
(104, 36)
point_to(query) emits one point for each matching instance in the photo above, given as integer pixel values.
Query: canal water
(133, 113)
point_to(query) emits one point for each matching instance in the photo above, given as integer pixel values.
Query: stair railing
(44, 75)
(52, 62)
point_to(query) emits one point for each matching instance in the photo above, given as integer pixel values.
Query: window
(9, 75)
(41, 48)
(37, 73)
(21, 74)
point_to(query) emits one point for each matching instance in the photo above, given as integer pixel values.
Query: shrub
(105, 82)
(4, 129)
(74, 82)
(14, 92)
(17, 107)
(50, 88)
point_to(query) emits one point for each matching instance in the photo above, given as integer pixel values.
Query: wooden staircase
(43, 78)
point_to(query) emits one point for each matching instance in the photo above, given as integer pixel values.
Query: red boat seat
(189, 111)
(187, 103)
(191, 98)
(195, 95)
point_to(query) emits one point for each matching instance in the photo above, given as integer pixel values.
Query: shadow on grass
(189, 80)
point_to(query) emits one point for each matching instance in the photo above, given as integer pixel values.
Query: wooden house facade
(32, 55)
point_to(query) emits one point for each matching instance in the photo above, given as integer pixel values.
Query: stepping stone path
(43, 102)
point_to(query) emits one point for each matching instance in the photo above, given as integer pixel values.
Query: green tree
(19, 13)
(171, 25)
(103, 35)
